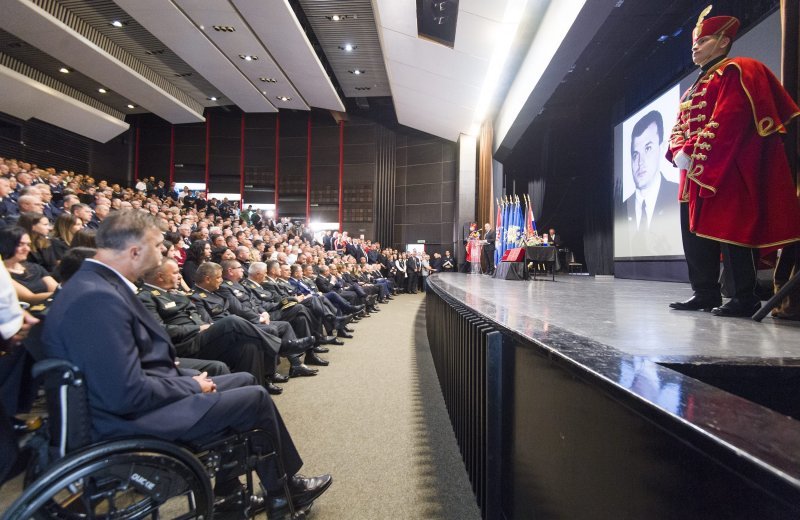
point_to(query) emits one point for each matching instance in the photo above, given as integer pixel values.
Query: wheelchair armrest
(58, 367)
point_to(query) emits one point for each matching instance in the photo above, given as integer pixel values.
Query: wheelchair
(70, 478)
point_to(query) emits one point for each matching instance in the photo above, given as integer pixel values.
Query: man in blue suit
(134, 386)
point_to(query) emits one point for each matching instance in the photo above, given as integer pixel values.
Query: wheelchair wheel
(127, 479)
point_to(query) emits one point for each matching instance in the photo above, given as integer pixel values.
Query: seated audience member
(42, 250)
(31, 281)
(84, 238)
(233, 340)
(134, 387)
(9, 211)
(198, 253)
(63, 232)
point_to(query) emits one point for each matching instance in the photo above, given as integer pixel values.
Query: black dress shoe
(736, 307)
(321, 350)
(273, 389)
(324, 340)
(336, 341)
(277, 378)
(302, 371)
(313, 359)
(347, 329)
(697, 303)
(296, 346)
(341, 321)
(343, 334)
(305, 490)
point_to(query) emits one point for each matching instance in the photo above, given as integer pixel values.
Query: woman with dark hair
(38, 228)
(178, 253)
(63, 231)
(84, 238)
(32, 283)
(198, 253)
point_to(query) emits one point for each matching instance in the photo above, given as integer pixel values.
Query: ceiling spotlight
(357, 71)
(267, 80)
(155, 52)
(102, 90)
(283, 98)
(212, 98)
(224, 28)
(337, 17)
(248, 57)
(64, 70)
(363, 88)
(118, 23)
(348, 47)
(131, 106)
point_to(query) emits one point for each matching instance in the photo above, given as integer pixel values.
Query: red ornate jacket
(738, 185)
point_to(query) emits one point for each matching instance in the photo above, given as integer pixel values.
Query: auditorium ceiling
(86, 64)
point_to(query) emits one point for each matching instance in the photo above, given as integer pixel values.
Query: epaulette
(201, 294)
(228, 282)
(155, 292)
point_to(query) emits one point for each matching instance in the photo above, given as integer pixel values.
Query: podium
(474, 253)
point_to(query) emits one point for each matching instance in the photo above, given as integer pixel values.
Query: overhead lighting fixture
(283, 98)
(64, 70)
(131, 106)
(357, 72)
(182, 74)
(267, 80)
(347, 47)
(155, 52)
(224, 28)
(248, 57)
(212, 98)
(363, 88)
(102, 90)
(340, 17)
(118, 23)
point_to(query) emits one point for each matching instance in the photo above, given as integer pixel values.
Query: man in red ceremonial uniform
(737, 194)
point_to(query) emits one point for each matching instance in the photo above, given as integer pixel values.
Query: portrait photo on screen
(646, 211)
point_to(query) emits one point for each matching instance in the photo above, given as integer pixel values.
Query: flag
(531, 222)
(519, 221)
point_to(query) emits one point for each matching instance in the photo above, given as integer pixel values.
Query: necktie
(643, 222)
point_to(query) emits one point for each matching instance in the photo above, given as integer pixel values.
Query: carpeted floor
(376, 421)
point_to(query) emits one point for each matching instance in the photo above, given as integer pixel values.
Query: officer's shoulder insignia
(202, 295)
(228, 282)
(155, 292)
(37, 308)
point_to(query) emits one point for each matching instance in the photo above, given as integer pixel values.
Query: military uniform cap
(715, 26)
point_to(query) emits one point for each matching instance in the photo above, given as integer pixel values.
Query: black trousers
(243, 405)
(237, 343)
(702, 258)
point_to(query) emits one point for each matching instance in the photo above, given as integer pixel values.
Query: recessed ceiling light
(338, 17)
(154, 52)
(212, 98)
(224, 28)
(363, 88)
(64, 70)
(357, 71)
(131, 106)
(118, 23)
(102, 90)
(267, 80)
(248, 57)
(348, 47)
(283, 98)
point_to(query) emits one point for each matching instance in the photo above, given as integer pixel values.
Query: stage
(580, 393)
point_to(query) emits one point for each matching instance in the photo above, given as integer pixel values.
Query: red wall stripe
(171, 154)
(136, 156)
(208, 151)
(241, 168)
(277, 159)
(341, 174)
(308, 173)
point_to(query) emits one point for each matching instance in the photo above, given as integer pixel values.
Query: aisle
(376, 420)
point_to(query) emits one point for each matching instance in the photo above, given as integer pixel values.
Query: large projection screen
(643, 175)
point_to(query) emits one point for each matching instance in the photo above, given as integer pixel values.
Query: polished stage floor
(631, 316)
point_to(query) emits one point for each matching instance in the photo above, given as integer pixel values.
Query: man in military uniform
(736, 192)
(236, 294)
(232, 339)
(213, 307)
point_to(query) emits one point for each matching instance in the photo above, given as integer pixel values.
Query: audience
(32, 282)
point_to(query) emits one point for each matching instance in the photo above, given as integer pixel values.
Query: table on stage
(547, 255)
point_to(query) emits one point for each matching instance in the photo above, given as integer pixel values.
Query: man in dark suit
(490, 235)
(133, 384)
(651, 211)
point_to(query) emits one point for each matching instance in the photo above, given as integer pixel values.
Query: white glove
(682, 160)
